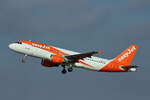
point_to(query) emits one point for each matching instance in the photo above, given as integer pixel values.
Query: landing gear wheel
(64, 71)
(70, 69)
(24, 58)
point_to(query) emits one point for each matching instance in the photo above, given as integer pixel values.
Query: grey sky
(80, 25)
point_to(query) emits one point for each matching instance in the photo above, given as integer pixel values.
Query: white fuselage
(93, 63)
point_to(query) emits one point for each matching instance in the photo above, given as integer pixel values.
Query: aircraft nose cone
(11, 46)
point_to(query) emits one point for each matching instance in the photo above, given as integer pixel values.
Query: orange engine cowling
(48, 63)
(56, 59)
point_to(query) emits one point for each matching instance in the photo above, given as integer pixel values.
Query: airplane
(53, 57)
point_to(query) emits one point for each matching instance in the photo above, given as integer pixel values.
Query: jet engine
(56, 59)
(53, 61)
(48, 63)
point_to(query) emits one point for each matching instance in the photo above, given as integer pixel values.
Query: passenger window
(19, 42)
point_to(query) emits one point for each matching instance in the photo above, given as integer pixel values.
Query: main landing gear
(64, 71)
(70, 69)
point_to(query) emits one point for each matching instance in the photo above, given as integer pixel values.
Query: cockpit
(16, 46)
(18, 42)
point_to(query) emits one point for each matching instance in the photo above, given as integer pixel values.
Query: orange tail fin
(126, 57)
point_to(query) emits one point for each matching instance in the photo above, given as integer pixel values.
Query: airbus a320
(53, 57)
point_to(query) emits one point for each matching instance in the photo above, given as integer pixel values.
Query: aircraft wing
(75, 58)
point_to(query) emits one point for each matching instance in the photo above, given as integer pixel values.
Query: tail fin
(126, 57)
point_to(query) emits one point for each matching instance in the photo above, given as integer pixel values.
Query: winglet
(99, 51)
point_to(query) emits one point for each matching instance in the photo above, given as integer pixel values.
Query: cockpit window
(19, 42)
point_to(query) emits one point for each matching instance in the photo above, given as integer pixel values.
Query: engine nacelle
(48, 63)
(132, 70)
(56, 59)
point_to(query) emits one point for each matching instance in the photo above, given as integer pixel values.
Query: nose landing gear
(24, 58)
